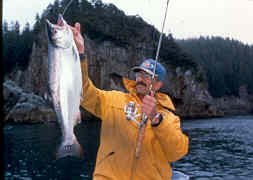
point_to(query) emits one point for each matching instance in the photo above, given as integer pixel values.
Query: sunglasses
(144, 75)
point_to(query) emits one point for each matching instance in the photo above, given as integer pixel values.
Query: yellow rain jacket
(115, 158)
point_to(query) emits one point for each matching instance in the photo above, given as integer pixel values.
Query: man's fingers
(149, 99)
(72, 28)
(76, 29)
(78, 26)
(78, 37)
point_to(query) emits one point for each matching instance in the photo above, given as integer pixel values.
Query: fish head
(59, 34)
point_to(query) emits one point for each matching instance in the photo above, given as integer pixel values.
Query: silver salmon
(65, 84)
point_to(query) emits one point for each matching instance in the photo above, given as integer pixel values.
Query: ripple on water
(84, 176)
(219, 149)
(7, 174)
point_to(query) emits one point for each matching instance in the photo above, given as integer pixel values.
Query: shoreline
(95, 119)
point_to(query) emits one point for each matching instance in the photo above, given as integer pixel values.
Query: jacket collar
(162, 99)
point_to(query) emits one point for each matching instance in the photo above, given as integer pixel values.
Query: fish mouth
(52, 28)
(58, 34)
(60, 20)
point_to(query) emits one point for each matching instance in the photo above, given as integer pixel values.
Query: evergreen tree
(228, 63)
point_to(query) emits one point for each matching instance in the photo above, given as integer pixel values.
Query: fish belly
(65, 81)
(70, 91)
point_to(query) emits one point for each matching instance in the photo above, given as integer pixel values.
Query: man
(163, 142)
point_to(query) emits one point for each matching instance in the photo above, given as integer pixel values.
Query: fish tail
(74, 149)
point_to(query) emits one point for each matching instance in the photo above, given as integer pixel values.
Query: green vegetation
(105, 22)
(228, 63)
(100, 22)
(17, 46)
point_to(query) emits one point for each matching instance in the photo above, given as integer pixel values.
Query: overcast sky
(185, 19)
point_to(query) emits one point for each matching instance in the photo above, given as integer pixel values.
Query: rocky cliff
(108, 62)
(116, 42)
(25, 107)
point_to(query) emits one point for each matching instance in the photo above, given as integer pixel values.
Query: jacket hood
(162, 99)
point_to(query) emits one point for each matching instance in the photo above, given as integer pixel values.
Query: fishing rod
(144, 117)
(160, 39)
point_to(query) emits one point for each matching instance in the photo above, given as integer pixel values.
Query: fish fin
(74, 150)
(81, 95)
(78, 117)
(74, 50)
(48, 99)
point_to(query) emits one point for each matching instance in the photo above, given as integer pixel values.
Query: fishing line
(160, 39)
(67, 7)
(144, 117)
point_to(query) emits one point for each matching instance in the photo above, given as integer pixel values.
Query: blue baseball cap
(148, 66)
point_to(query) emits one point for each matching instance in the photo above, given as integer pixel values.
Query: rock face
(105, 59)
(235, 105)
(21, 106)
(192, 98)
(107, 64)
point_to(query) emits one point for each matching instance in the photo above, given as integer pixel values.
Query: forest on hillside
(227, 64)
(100, 22)
(17, 46)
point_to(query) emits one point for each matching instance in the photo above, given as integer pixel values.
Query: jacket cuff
(166, 125)
(158, 117)
(82, 56)
(163, 125)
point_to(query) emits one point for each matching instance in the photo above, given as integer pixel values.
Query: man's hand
(149, 105)
(78, 37)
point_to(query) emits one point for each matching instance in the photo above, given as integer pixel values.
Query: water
(219, 149)
(29, 152)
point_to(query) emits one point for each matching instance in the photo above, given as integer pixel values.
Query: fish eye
(54, 30)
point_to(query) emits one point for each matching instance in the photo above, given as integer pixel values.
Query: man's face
(143, 82)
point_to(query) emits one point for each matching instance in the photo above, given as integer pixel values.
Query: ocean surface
(220, 148)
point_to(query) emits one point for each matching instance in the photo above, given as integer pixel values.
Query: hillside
(100, 22)
(227, 63)
(114, 43)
